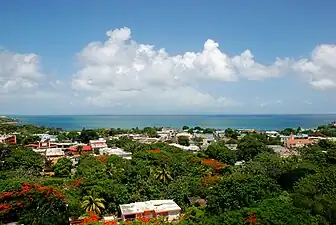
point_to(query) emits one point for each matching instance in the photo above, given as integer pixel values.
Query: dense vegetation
(267, 189)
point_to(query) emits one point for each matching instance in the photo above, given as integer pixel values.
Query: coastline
(258, 122)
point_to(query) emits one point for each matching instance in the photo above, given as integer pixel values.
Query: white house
(150, 209)
(100, 143)
(116, 151)
(190, 148)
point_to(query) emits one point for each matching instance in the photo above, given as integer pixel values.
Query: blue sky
(272, 57)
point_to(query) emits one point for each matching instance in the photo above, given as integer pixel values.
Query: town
(111, 176)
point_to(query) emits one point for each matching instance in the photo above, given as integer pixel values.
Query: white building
(190, 148)
(100, 143)
(272, 134)
(150, 209)
(184, 134)
(45, 137)
(116, 151)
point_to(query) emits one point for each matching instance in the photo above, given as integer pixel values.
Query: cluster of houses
(166, 209)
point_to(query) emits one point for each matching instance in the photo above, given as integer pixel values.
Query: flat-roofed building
(150, 209)
(10, 139)
(101, 143)
(116, 151)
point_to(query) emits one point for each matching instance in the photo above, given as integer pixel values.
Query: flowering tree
(33, 204)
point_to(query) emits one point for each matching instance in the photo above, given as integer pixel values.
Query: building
(101, 143)
(10, 139)
(150, 209)
(232, 147)
(85, 149)
(190, 148)
(45, 137)
(293, 142)
(184, 134)
(51, 153)
(272, 134)
(116, 151)
(42, 145)
(54, 154)
(277, 148)
(207, 138)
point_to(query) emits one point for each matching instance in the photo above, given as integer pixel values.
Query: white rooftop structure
(100, 143)
(157, 206)
(54, 152)
(277, 148)
(272, 133)
(184, 134)
(192, 148)
(45, 137)
(116, 151)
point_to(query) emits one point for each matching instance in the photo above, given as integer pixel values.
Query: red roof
(299, 141)
(85, 148)
(32, 145)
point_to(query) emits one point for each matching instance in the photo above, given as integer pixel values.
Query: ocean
(259, 122)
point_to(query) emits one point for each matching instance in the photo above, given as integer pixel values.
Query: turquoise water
(261, 122)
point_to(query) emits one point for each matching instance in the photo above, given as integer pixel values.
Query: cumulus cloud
(122, 70)
(320, 69)
(18, 72)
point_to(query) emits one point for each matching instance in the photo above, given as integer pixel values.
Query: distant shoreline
(257, 122)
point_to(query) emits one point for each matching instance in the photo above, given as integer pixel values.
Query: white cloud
(320, 69)
(18, 72)
(121, 70)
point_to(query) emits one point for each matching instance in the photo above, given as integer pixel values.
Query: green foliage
(288, 131)
(87, 135)
(219, 151)
(317, 194)
(24, 158)
(62, 167)
(93, 204)
(183, 140)
(185, 127)
(208, 131)
(230, 133)
(249, 147)
(266, 189)
(240, 190)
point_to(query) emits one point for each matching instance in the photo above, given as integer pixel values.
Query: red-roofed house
(297, 143)
(86, 148)
(10, 139)
(42, 145)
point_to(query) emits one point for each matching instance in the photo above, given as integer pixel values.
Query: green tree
(26, 159)
(62, 137)
(288, 131)
(185, 127)
(240, 190)
(317, 194)
(62, 167)
(249, 147)
(220, 152)
(230, 133)
(93, 204)
(183, 140)
(162, 175)
(150, 131)
(208, 131)
(87, 135)
(73, 136)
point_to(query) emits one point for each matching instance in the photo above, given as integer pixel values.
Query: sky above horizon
(167, 57)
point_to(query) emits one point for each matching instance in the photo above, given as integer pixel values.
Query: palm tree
(163, 175)
(92, 204)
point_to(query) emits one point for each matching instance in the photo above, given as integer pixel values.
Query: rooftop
(153, 205)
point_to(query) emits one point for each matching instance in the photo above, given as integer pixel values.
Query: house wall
(173, 215)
